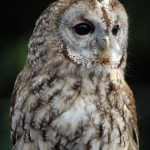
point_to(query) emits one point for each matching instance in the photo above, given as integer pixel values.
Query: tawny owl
(71, 94)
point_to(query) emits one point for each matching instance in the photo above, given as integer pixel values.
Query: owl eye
(83, 28)
(115, 29)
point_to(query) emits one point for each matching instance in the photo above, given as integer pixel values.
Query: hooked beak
(107, 45)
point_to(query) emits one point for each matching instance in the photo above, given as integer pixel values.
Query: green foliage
(12, 61)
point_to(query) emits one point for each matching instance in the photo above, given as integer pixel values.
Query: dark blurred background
(17, 19)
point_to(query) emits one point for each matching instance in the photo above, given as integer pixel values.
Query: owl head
(86, 32)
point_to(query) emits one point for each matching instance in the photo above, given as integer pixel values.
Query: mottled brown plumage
(71, 94)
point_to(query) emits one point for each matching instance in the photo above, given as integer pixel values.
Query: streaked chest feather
(86, 112)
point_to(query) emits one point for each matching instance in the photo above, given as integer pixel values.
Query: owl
(71, 93)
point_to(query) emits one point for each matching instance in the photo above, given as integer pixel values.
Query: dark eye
(115, 30)
(83, 29)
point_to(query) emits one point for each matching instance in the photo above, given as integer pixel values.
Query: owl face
(94, 32)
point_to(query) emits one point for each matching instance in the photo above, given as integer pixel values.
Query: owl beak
(107, 45)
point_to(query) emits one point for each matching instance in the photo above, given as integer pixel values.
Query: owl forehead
(106, 16)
